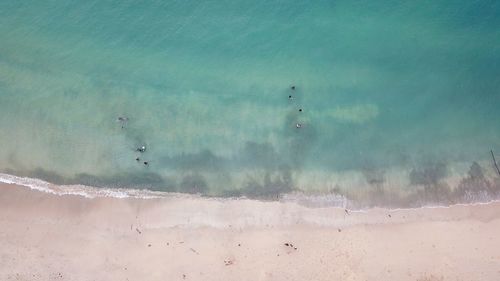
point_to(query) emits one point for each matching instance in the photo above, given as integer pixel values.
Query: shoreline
(300, 198)
(46, 237)
(251, 213)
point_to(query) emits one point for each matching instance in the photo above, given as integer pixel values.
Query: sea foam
(79, 190)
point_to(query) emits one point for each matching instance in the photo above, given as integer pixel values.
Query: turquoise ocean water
(395, 102)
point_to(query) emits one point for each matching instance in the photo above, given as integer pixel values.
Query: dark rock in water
(475, 187)
(204, 160)
(194, 183)
(429, 174)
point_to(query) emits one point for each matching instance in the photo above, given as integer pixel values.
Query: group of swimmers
(290, 97)
(141, 149)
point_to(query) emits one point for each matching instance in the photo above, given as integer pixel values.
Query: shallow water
(398, 98)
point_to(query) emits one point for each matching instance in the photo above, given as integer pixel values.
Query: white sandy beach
(51, 237)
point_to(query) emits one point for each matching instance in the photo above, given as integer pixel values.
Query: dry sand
(50, 237)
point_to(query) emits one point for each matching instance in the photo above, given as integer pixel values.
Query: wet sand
(51, 237)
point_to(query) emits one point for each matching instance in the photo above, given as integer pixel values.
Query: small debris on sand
(290, 245)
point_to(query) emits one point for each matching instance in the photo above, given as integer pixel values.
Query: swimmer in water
(123, 120)
(293, 87)
(298, 125)
(146, 163)
(141, 149)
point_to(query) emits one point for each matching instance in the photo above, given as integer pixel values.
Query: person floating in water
(146, 163)
(298, 125)
(141, 149)
(123, 120)
(292, 87)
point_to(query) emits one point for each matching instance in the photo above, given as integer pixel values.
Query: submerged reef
(426, 186)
